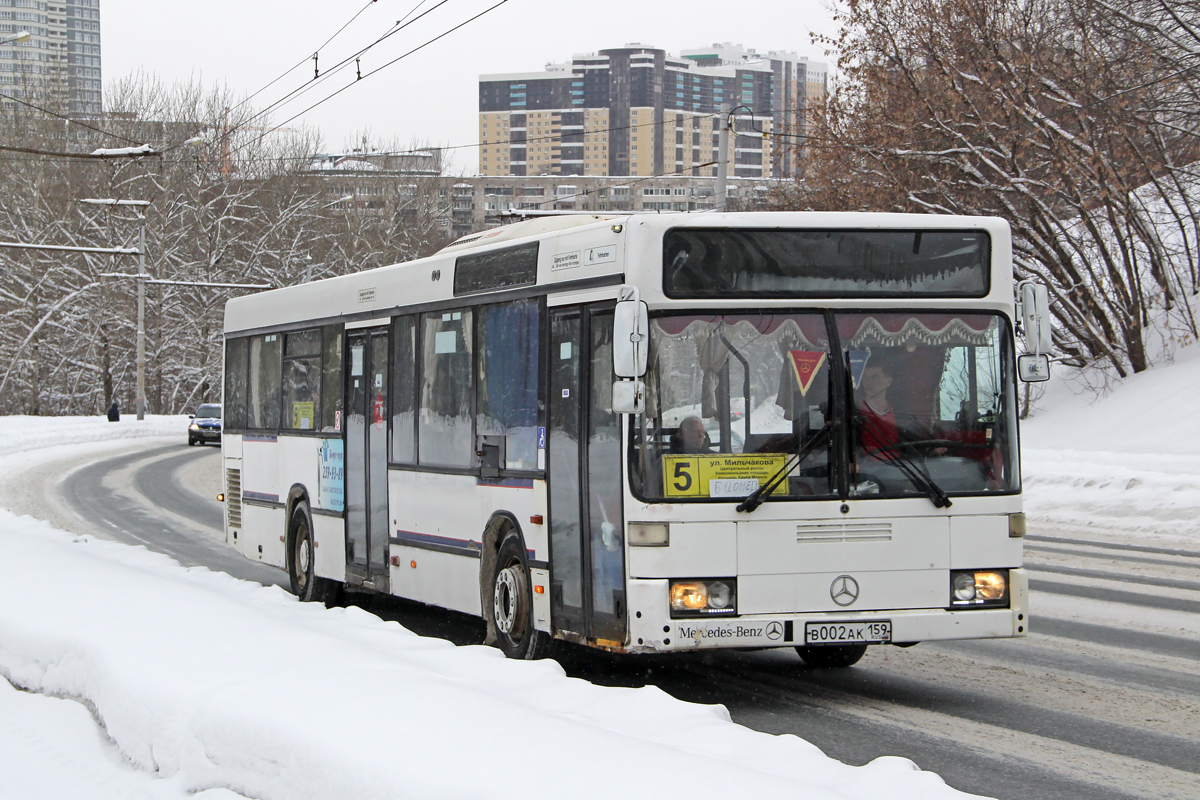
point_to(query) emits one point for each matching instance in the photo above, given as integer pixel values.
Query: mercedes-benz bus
(649, 433)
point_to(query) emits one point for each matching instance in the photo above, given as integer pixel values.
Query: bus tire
(832, 656)
(301, 568)
(512, 603)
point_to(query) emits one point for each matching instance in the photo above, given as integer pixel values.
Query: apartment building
(637, 110)
(60, 63)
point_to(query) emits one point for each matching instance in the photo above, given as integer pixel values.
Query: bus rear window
(724, 262)
(496, 269)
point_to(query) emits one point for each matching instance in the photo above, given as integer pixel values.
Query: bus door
(366, 458)
(587, 548)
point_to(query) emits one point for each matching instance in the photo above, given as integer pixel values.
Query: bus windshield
(928, 399)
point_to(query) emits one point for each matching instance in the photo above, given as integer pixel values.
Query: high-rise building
(60, 61)
(637, 110)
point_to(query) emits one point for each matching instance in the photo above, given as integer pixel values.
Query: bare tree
(230, 202)
(1048, 114)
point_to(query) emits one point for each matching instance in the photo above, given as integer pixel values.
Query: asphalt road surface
(1102, 701)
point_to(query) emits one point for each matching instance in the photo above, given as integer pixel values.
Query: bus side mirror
(1033, 368)
(628, 397)
(631, 328)
(1035, 315)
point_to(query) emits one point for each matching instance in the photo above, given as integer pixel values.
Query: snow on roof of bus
(531, 227)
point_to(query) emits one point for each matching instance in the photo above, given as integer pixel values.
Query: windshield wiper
(919, 477)
(760, 495)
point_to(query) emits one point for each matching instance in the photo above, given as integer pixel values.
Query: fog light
(964, 587)
(990, 585)
(689, 596)
(719, 595)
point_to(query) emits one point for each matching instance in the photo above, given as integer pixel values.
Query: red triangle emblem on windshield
(805, 366)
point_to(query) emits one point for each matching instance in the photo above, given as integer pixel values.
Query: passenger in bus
(691, 438)
(879, 433)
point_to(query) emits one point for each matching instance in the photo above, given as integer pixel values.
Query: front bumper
(652, 630)
(207, 434)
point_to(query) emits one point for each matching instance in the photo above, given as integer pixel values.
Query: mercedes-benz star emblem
(843, 590)
(774, 630)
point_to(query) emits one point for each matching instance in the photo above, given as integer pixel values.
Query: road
(1102, 701)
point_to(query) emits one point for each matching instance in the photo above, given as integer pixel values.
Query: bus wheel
(304, 582)
(512, 604)
(832, 656)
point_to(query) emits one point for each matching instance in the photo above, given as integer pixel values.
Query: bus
(651, 433)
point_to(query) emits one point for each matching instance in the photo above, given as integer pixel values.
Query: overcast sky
(432, 95)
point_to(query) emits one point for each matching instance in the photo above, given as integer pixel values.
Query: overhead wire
(70, 120)
(345, 62)
(419, 150)
(306, 59)
(379, 69)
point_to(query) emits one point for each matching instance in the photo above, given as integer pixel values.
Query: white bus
(811, 442)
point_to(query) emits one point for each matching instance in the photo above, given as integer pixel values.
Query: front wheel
(832, 656)
(512, 604)
(301, 569)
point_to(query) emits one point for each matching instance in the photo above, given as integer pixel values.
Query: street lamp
(21, 36)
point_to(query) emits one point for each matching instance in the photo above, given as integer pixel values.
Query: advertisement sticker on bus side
(331, 492)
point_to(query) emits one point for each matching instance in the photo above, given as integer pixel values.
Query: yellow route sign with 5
(719, 476)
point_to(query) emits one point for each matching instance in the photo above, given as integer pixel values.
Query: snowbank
(19, 434)
(212, 682)
(1127, 462)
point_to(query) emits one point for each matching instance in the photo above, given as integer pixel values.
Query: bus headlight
(719, 595)
(703, 598)
(979, 588)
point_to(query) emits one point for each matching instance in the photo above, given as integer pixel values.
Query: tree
(1080, 131)
(238, 206)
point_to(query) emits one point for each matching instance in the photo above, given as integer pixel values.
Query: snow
(21, 434)
(140, 150)
(145, 679)
(1126, 462)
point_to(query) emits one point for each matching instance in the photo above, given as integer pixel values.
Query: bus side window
(331, 376)
(301, 380)
(263, 401)
(235, 384)
(404, 390)
(446, 429)
(508, 379)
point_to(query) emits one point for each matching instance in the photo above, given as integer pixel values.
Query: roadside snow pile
(1127, 462)
(214, 683)
(19, 434)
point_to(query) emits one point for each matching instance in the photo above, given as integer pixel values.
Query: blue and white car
(205, 425)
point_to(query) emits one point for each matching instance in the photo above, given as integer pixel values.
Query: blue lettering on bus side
(331, 491)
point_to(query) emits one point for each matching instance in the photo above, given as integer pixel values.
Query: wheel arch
(495, 531)
(296, 495)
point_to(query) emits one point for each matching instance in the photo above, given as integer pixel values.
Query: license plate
(877, 632)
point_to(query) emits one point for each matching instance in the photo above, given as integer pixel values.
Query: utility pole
(139, 207)
(141, 329)
(722, 156)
